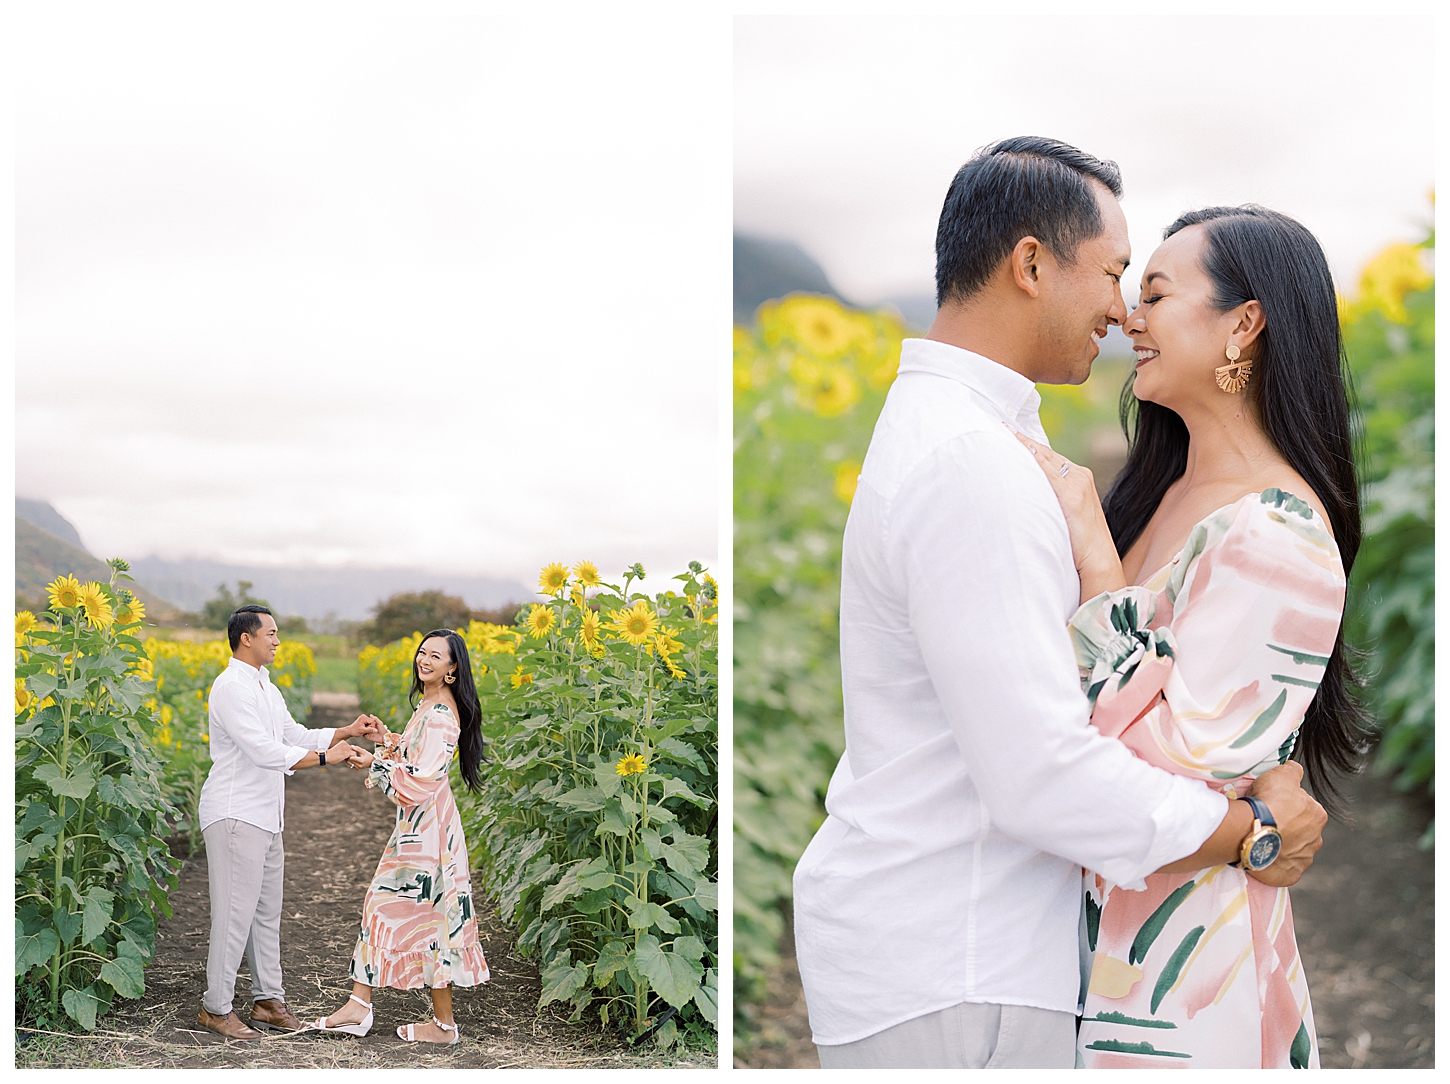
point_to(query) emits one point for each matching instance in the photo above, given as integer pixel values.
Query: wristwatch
(322, 763)
(1263, 843)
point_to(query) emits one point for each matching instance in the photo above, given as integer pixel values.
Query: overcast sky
(374, 284)
(850, 120)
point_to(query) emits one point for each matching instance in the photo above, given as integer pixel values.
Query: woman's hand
(1098, 566)
(360, 759)
(372, 728)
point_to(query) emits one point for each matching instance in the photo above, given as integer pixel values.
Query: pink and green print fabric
(418, 925)
(1206, 670)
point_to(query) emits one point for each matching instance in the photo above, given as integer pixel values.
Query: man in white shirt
(255, 743)
(937, 909)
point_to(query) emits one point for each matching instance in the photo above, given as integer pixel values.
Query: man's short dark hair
(1027, 186)
(245, 620)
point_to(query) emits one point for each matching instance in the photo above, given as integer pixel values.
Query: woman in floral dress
(418, 924)
(1211, 647)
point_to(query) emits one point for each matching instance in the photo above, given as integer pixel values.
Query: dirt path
(1365, 918)
(336, 829)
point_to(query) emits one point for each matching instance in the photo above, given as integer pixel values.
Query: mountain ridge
(47, 545)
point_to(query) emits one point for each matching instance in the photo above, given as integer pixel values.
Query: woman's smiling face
(433, 660)
(1177, 332)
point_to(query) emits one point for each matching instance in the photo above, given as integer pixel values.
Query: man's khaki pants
(965, 1036)
(244, 874)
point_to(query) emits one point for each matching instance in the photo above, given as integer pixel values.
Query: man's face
(1082, 298)
(261, 646)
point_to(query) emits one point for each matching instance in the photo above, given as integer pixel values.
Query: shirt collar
(247, 668)
(1013, 396)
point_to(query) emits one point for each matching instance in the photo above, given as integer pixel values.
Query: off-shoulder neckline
(1313, 515)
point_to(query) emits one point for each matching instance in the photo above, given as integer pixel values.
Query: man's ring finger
(1062, 470)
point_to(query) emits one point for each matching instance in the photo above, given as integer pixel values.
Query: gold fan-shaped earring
(1234, 376)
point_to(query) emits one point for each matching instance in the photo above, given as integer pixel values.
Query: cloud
(849, 126)
(437, 289)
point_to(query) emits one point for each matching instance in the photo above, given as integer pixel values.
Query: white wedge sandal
(359, 1029)
(405, 1032)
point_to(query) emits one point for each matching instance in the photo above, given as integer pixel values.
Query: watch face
(1264, 850)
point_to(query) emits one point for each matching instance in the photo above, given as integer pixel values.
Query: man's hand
(358, 728)
(339, 752)
(361, 759)
(1300, 819)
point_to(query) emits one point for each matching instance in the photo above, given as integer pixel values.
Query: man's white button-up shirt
(973, 788)
(254, 743)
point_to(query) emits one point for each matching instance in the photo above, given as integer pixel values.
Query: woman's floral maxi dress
(418, 927)
(1206, 670)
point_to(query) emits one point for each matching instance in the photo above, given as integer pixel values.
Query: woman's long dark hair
(465, 695)
(1300, 391)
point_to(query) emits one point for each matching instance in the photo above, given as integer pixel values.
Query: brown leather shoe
(229, 1026)
(273, 1013)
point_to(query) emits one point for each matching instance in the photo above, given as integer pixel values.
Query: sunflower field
(1389, 334)
(596, 828)
(810, 378)
(809, 382)
(183, 673)
(92, 867)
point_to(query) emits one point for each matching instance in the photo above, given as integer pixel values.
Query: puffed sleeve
(412, 772)
(1217, 688)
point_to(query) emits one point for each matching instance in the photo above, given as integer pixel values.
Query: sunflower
(589, 629)
(552, 578)
(636, 624)
(587, 573)
(520, 677)
(22, 696)
(822, 325)
(24, 622)
(633, 764)
(848, 474)
(827, 388)
(131, 610)
(64, 592)
(540, 621)
(97, 606)
(1395, 272)
(664, 645)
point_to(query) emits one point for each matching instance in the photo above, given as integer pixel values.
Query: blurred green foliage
(1389, 333)
(810, 380)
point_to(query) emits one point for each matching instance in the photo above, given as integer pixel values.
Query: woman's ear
(1250, 323)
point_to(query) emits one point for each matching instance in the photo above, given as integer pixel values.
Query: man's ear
(1025, 264)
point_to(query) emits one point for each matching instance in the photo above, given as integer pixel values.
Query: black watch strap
(1261, 812)
(322, 758)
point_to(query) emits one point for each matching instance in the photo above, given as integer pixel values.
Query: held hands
(360, 760)
(1300, 820)
(1093, 550)
(339, 752)
(365, 726)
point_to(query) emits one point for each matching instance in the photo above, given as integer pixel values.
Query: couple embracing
(1066, 820)
(418, 926)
